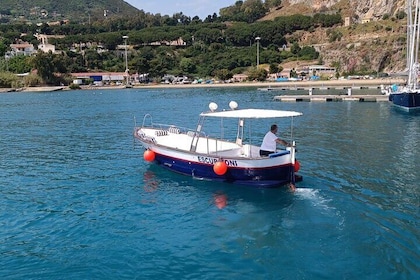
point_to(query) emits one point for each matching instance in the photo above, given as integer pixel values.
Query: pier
(321, 88)
(364, 94)
(331, 98)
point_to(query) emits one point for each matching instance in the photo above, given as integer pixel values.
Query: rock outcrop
(368, 44)
(358, 10)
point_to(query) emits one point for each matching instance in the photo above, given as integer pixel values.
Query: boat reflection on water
(164, 184)
(151, 182)
(220, 200)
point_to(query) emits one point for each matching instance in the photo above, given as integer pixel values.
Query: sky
(191, 8)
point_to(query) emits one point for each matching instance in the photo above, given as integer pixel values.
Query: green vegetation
(213, 47)
(82, 11)
(8, 80)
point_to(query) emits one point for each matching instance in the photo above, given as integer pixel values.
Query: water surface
(77, 200)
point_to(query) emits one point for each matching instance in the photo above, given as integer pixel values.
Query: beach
(291, 84)
(342, 83)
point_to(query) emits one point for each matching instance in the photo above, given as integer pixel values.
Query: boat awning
(252, 114)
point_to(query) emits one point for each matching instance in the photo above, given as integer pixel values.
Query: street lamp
(258, 50)
(126, 61)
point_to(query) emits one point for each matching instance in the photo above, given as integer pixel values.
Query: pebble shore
(306, 84)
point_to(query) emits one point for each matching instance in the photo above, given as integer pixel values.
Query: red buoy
(149, 155)
(220, 168)
(296, 166)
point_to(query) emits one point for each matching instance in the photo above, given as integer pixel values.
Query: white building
(321, 70)
(22, 49)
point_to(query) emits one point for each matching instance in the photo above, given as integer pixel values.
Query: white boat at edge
(193, 153)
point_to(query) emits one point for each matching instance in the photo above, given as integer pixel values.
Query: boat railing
(172, 128)
(147, 116)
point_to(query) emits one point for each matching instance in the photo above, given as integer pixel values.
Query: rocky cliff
(373, 40)
(367, 9)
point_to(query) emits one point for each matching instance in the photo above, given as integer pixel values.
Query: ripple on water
(77, 200)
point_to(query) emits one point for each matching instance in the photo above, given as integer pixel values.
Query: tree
(43, 63)
(8, 80)
(295, 49)
(32, 80)
(253, 10)
(223, 74)
(19, 64)
(258, 74)
(293, 73)
(274, 68)
(272, 3)
(3, 48)
(308, 53)
(187, 65)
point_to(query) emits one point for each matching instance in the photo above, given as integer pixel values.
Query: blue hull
(257, 177)
(406, 101)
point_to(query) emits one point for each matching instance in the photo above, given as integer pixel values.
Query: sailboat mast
(413, 34)
(416, 59)
(409, 33)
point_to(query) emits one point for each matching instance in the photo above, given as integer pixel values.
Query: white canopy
(252, 114)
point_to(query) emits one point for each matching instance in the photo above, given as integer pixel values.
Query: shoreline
(289, 84)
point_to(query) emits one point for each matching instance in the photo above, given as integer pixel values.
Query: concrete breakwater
(331, 98)
(331, 94)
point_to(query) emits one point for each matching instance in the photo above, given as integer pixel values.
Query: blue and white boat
(408, 97)
(194, 153)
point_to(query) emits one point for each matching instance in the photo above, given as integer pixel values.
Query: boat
(195, 153)
(408, 97)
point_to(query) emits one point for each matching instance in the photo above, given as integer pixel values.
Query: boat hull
(406, 101)
(267, 177)
(263, 172)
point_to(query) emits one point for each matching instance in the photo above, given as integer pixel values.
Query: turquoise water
(77, 200)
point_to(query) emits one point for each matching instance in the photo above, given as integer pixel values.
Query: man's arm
(284, 143)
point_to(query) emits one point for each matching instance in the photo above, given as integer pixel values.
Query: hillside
(96, 9)
(374, 38)
(368, 42)
(377, 46)
(52, 10)
(356, 10)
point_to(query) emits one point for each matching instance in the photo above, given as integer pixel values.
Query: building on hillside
(240, 77)
(322, 70)
(109, 78)
(45, 46)
(22, 48)
(99, 78)
(177, 43)
(366, 20)
(347, 21)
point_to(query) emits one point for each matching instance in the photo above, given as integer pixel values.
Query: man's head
(273, 128)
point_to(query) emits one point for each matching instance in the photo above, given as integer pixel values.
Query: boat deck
(204, 145)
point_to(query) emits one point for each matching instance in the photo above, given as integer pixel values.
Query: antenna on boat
(135, 127)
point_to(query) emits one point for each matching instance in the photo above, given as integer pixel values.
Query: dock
(320, 88)
(344, 94)
(331, 98)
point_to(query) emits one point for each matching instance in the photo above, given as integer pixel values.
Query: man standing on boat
(269, 144)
